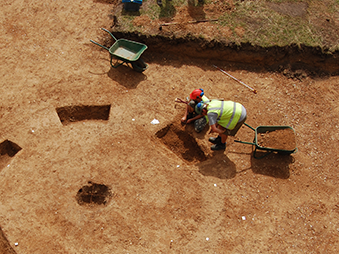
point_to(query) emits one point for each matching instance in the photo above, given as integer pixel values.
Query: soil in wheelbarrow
(283, 139)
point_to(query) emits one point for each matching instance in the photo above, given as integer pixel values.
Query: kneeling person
(225, 118)
(191, 115)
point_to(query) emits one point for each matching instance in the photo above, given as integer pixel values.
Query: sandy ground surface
(160, 201)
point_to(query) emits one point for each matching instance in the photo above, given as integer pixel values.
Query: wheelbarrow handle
(243, 142)
(249, 126)
(99, 45)
(109, 33)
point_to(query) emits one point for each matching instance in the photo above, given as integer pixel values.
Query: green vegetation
(267, 28)
(264, 22)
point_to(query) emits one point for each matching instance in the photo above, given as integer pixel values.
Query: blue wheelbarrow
(126, 51)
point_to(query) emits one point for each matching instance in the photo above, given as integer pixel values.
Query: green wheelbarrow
(266, 130)
(126, 51)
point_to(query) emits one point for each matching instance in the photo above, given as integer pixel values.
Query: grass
(265, 27)
(262, 25)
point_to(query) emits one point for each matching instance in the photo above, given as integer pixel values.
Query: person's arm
(217, 128)
(189, 109)
(194, 118)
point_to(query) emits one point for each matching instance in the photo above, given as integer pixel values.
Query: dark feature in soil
(282, 139)
(290, 60)
(290, 9)
(70, 114)
(93, 193)
(181, 143)
(5, 247)
(10, 148)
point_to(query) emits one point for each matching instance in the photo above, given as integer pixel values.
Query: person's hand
(183, 120)
(189, 121)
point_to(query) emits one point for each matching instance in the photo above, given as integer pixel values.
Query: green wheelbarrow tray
(265, 129)
(126, 51)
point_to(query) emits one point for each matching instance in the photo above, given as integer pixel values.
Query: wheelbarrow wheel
(139, 65)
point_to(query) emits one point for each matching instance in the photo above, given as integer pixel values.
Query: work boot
(220, 146)
(216, 140)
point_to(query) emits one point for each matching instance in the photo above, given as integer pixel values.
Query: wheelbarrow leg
(115, 66)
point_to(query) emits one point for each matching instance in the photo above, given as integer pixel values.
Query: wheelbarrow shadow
(274, 165)
(126, 76)
(219, 165)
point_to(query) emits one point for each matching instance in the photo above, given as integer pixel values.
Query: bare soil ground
(160, 196)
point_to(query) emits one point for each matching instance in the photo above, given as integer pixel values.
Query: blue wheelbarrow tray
(269, 150)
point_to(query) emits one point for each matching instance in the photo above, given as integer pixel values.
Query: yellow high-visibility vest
(229, 112)
(204, 99)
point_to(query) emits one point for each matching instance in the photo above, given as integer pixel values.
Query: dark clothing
(199, 124)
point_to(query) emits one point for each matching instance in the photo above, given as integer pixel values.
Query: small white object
(32, 130)
(133, 119)
(178, 166)
(16, 244)
(8, 165)
(155, 121)
(243, 218)
(207, 238)
(215, 185)
(171, 241)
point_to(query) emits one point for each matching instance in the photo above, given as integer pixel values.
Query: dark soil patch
(93, 194)
(80, 113)
(283, 139)
(291, 9)
(181, 143)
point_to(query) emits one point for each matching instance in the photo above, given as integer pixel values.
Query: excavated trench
(294, 61)
(181, 143)
(77, 113)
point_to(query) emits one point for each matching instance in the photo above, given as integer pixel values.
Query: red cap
(197, 93)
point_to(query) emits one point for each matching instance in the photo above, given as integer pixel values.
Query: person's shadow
(167, 9)
(219, 165)
(196, 9)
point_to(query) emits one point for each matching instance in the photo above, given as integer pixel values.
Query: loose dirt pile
(283, 139)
